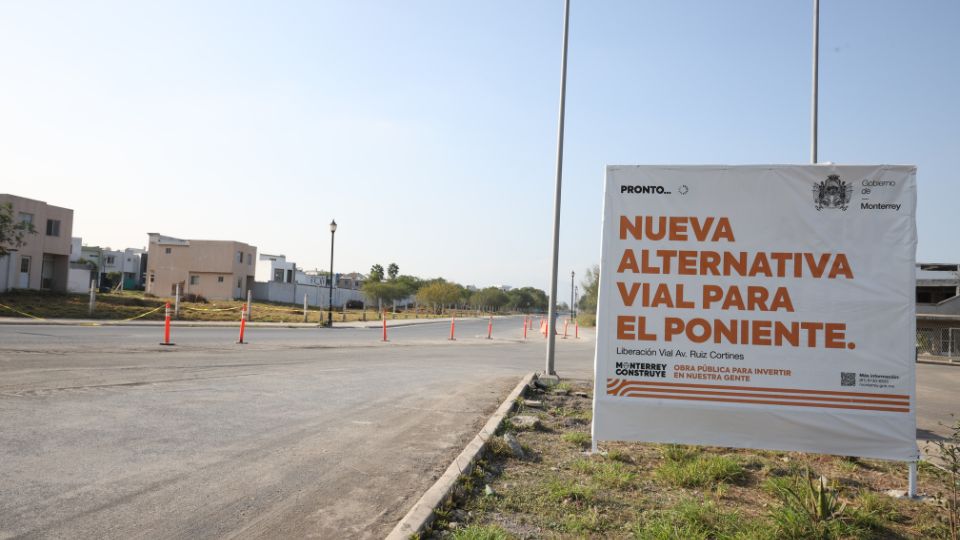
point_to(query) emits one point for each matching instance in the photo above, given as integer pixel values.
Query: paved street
(302, 433)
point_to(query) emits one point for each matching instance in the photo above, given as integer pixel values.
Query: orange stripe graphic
(766, 402)
(760, 395)
(763, 389)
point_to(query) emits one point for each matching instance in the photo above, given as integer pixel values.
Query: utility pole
(552, 308)
(814, 90)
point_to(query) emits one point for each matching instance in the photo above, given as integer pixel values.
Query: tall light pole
(552, 313)
(572, 273)
(814, 90)
(333, 230)
(576, 298)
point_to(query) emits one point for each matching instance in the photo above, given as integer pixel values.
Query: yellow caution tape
(154, 310)
(211, 309)
(22, 313)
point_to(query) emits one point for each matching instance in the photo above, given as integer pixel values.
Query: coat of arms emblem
(832, 193)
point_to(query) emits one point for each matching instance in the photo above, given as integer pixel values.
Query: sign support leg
(912, 481)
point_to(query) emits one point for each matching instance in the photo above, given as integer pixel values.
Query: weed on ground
(649, 491)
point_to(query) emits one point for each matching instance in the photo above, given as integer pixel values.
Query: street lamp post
(576, 299)
(572, 273)
(333, 230)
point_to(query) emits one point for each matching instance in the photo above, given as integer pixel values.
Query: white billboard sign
(759, 307)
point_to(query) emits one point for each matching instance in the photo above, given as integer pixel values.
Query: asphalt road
(303, 432)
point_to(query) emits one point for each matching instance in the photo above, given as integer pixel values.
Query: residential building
(938, 309)
(276, 268)
(352, 281)
(42, 262)
(214, 269)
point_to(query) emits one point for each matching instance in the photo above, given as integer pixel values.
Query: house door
(46, 272)
(24, 282)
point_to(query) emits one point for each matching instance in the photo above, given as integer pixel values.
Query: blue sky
(428, 128)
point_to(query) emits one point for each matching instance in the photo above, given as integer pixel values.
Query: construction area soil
(631, 490)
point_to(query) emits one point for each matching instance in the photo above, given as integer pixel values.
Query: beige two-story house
(43, 261)
(214, 269)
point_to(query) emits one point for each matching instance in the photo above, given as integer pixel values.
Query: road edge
(421, 514)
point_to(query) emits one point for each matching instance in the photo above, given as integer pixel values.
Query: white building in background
(130, 263)
(280, 280)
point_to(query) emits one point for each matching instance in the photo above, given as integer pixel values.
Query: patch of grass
(692, 519)
(577, 438)
(562, 388)
(126, 304)
(679, 453)
(619, 455)
(560, 491)
(587, 319)
(813, 509)
(875, 511)
(700, 471)
(589, 520)
(584, 415)
(606, 474)
(482, 532)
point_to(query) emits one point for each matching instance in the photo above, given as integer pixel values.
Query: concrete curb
(421, 515)
(937, 362)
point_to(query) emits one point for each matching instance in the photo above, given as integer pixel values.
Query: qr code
(848, 379)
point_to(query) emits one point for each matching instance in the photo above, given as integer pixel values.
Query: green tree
(591, 286)
(526, 299)
(439, 294)
(489, 298)
(376, 273)
(393, 270)
(11, 232)
(410, 284)
(383, 291)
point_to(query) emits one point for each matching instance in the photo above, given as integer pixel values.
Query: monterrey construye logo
(832, 193)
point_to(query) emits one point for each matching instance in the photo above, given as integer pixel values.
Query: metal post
(552, 310)
(572, 273)
(176, 303)
(912, 480)
(249, 303)
(304, 307)
(813, 98)
(93, 297)
(333, 230)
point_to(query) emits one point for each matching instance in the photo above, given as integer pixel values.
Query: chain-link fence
(939, 342)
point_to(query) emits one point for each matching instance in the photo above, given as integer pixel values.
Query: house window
(152, 278)
(53, 227)
(249, 259)
(194, 280)
(110, 259)
(239, 283)
(26, 218)
(219, 279)
(167, 251)
(239, 256)
(278, 274)
(24, 264)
